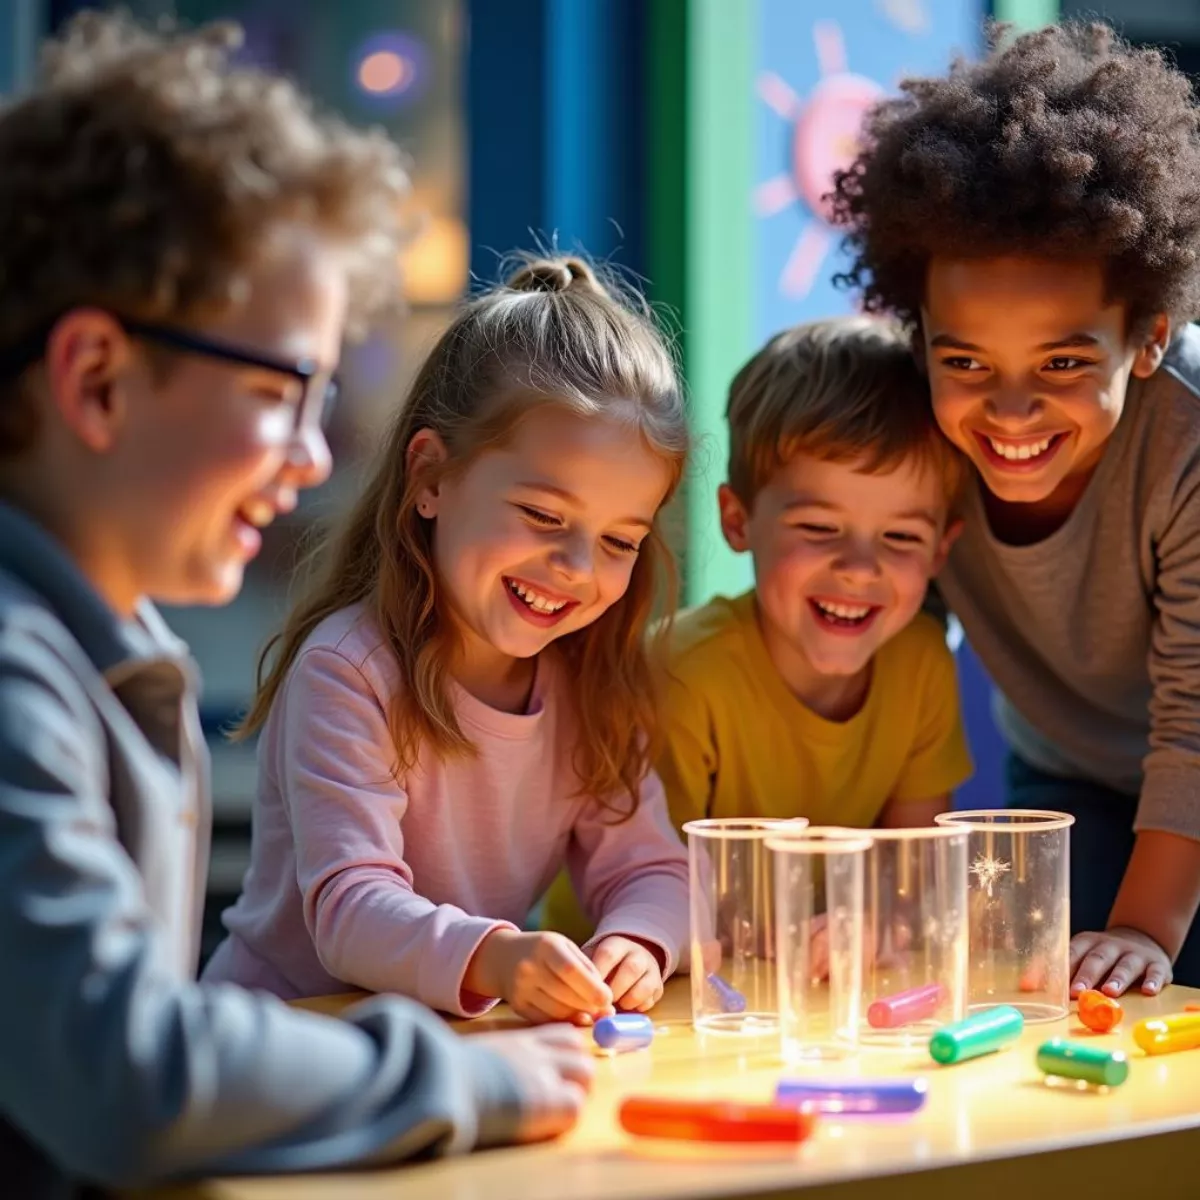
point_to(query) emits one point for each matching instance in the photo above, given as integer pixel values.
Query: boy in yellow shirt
(823, 692)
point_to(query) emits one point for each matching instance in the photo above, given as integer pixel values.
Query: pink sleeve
(632, 877)
(347, 812)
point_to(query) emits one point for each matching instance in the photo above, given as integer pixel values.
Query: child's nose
(1012, 406)
(857, 563)
(309, 460)
(573, 559)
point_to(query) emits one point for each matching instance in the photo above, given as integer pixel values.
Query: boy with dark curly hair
(182, 242)
(1036, 217)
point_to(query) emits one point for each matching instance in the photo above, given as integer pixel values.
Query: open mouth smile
(1020, 454)
(843, 616)
(537, 605)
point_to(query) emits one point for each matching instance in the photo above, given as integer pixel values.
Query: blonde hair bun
(554, 275)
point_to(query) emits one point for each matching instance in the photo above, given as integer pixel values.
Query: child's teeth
(1021, 452)
(847, 612)
(535, 601)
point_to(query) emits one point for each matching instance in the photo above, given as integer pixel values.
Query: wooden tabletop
(991, 1128)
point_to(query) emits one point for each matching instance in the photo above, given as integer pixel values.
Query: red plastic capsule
(716, 1121)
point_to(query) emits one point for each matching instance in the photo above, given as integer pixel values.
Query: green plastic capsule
(978, 1034)
(1074, 1060)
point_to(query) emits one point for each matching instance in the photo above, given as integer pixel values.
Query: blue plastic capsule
(624, 1031)
(729, 998)
(855, 1097)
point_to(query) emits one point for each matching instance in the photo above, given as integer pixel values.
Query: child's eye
(537, 516)
(904, 539)
(623, 546)
(815, 530)
(961, 362)
(1065, 362)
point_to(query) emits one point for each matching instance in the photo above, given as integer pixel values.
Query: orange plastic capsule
(1100, 1013)
(1033, 978)
(716, 1121)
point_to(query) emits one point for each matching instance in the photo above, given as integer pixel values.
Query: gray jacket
(115, 1066)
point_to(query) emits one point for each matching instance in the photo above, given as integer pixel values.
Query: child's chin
(840, 663)
(210, 590)
(1016, 489)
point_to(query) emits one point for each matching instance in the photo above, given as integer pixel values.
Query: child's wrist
(1125, 926)
(486, 971)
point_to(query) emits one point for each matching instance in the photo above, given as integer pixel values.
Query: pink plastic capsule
(906, 1008)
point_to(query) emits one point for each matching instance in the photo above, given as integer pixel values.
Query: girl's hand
(632, 971)
(543, 976)
(899, 938)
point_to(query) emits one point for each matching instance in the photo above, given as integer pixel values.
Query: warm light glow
(384, 71)
(434, 265)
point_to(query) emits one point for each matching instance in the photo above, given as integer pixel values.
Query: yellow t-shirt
(739, 744)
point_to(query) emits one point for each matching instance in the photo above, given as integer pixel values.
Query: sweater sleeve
(123, 1074)
(1170, 796)
(346, 807)
(632, 875)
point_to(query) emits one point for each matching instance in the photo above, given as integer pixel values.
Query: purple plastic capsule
(855, 1097)
(731, 1000)
(623, 1031)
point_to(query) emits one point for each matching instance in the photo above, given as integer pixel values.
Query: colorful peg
(906, 1008)
(730, 999)
(1169, 1034)
(855, 1097)
(1075, 1060)
(981, 1033)
(623, 1031)
(1100, 1013)
(716, 1121)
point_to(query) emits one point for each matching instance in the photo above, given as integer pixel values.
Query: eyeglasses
(319, 388)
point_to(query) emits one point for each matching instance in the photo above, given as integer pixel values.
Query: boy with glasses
(182, 244)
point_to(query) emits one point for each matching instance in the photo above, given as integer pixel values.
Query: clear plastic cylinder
(819, 899)
(1018, 903)
(915, 934)
(732, 899)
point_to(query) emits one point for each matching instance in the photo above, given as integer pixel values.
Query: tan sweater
(1093, 634)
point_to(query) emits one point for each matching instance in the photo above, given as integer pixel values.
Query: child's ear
(426, 452)
(1154, 346)
(87, 355)
(734, 519)
(945, 543)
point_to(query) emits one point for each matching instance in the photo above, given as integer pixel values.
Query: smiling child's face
(539, 537)
(843, 555)
(1029, 362)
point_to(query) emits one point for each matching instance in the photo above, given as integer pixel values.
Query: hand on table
(543, 976)
(1114, 961)
(898, 938)
(631, 970)
(554, 1071)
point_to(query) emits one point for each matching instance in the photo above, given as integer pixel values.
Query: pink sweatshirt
(357, 879)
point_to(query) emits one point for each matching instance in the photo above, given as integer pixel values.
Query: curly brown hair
(1063, 143)
(145, 167)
